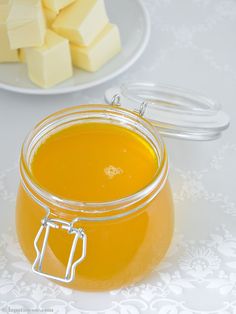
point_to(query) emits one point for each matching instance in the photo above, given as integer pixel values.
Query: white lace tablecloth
(193, 45)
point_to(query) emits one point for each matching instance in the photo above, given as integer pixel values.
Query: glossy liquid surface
(94, 162)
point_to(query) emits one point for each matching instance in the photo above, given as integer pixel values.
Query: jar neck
(99, 210)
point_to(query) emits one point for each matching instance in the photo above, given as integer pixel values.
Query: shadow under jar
(94, 209)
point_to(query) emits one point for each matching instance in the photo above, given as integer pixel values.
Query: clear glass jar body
(126, 238)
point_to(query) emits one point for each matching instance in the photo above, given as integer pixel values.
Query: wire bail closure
(141, 110)
(46, 224)
(115, 101)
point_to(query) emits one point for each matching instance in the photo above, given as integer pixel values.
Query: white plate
(133, 22)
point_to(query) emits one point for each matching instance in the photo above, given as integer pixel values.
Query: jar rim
(44, 196)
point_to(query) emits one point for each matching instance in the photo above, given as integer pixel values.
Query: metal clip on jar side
(78, 234)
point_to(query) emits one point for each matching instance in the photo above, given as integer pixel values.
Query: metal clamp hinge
(116, 101)
(70, 268)
(142, 109)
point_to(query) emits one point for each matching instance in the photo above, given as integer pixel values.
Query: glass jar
(96, 246)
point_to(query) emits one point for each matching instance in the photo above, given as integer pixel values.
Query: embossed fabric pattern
(192, 45)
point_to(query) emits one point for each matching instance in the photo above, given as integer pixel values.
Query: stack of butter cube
(50, 36)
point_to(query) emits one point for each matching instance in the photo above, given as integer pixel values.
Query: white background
(193, 45)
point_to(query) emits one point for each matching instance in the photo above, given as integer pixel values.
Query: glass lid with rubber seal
(174, 111)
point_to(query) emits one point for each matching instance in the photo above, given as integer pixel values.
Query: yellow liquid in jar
(94, 162)
(97, 162)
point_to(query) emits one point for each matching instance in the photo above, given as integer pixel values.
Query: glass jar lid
(174, 111)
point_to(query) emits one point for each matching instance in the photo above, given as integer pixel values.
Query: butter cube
(51, 63)
(26, 24)
(105, 47)
(5, 4)
(22, 58)
(50, 16)
(6, 54)
(56, 5)
(82, 21)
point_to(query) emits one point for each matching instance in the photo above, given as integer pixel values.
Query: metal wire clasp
(115, 101)
(70, 269)
(140, 110)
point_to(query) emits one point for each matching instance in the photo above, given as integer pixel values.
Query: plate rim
(80, 87)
